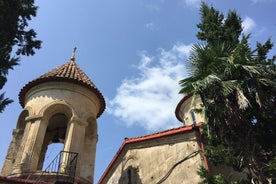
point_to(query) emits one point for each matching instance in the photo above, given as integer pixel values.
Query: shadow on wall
(130, 176)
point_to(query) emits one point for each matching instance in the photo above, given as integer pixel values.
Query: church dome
(185, 110)
(68, 72)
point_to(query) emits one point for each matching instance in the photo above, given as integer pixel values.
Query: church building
(62, 106)
(171, 156)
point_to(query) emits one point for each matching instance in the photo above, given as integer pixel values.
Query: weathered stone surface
(60, 106)
(185, 110)
(160, 159)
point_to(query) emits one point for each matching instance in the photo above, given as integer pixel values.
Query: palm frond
(258, 99)
(193, 100)
(228, 87)
(267, 82)
(206, 83)
(251, 70)
(186, 85)
(241, 99)
(4, 102)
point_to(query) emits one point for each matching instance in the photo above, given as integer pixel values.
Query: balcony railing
(61, 170)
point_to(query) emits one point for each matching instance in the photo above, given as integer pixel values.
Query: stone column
(12, 151)
(89, 149)
(74, 141)
(88, 160)
(31, 146)
(18, 165)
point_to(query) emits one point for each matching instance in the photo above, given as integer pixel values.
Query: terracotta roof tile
(68, 72)
(160, 134)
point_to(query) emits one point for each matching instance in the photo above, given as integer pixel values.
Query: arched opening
(130, 175)
(53, 150)
(54, 139)
(20, 128)
(21, 123)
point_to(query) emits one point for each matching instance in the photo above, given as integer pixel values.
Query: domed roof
(178, 107)
(68, 72)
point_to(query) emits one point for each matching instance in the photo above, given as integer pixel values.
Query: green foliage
(16, 37)
(217, 179)
(272, 168)
(214, 28)
(237, 86)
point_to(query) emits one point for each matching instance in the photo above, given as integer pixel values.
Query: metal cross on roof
(73, 54)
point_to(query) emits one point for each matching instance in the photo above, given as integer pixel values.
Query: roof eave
(178, 107)
(31, 84)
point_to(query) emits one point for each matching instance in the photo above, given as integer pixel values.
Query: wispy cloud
(260, 1)
(248, 24)
(151, 26)
(149, 99)
(192, 3)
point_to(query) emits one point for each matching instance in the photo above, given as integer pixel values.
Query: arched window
(52, 152)
(53, 140)
(193, 117)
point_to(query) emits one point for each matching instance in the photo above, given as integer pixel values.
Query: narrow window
(129, 176)
(193, 117)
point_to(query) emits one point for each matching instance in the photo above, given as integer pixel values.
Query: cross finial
(73, 54)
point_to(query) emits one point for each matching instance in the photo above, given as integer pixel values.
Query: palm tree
(230, 80)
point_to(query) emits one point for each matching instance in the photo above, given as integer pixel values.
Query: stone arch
(57, 106)
(19, 131)
(129, 161)
(55, 120)
(21, 121)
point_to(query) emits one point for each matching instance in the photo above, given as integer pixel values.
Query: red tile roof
(145, 138)
(68, 72)
(160, 134)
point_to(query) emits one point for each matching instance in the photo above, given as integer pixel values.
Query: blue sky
(134, 51)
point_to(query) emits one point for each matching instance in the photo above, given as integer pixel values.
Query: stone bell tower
(60, 106)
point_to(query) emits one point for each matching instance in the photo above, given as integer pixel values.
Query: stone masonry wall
(151, 161)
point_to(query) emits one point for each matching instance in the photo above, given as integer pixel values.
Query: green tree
(237, 88)
(15, 37)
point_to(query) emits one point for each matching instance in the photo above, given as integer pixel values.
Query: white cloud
(260, 1)
(149, 99)
(151, 26)
(248, 24)
(192, 3)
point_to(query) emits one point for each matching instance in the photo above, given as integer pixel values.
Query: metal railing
(63, 167)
